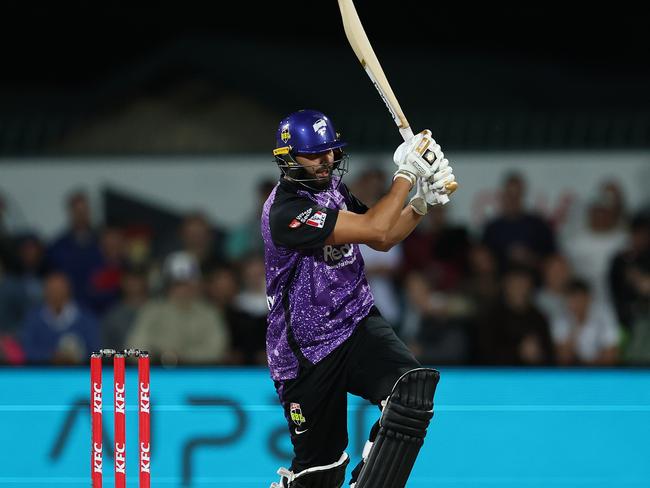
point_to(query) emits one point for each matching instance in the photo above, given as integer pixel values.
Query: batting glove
(417, 157)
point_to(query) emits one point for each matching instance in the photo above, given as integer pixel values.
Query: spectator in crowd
(119, 320)
(550, 298)
(105, 277)
(181, 327)
(6, 244)
(369, 186)
(59, 331)
(221, 288)
(518, 236)
(31, 267)
(250, 304)
(246, 239)
(483, 282)
(76, 251)
(13, 303)
(481, 287)
(202, 241)
(382, 269)
(592, 249)
(439, 249)
(629, 273)
(515, 332)
(11, 352)
(589, 334)
(629, 278)
(436, 322)
(613, 194)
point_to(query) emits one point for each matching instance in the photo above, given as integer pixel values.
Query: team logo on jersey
(296, 414)
(320, 127)
(285, 135)
(317, 220)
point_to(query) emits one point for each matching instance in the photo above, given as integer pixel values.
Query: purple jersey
(316, 293)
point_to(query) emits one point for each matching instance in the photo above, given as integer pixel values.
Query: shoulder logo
(303, 216)
(300, 219)
(317, 220)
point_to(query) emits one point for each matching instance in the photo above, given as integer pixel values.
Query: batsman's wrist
(411, 178)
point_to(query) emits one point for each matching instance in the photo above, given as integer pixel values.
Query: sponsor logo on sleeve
(300, 219)
(317, 220)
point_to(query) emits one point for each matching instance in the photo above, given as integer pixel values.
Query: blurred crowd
(515, 292)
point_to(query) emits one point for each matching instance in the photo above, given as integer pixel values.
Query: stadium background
(154, 128)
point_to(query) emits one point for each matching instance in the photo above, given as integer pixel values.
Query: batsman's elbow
(382, 246)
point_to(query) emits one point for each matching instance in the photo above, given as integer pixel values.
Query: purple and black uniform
(317, 293)
(325, 336)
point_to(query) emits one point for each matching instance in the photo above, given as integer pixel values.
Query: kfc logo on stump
(97, 457)
(145, 457)
(145, 401)
(97, 398)
(119, 398)
(120, 458)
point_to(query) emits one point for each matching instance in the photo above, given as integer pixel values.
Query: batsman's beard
(317, 177)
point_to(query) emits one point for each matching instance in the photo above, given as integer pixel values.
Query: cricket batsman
(326, 337)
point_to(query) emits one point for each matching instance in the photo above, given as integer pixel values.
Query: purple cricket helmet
(308, 132)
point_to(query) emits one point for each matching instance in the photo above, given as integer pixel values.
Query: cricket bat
(361, 46)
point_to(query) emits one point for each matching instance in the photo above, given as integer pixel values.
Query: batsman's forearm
(383, 216)
(407, 221)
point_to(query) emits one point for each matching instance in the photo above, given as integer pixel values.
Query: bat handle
(450, 188)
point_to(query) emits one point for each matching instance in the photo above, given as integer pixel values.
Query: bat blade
(360, 44)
